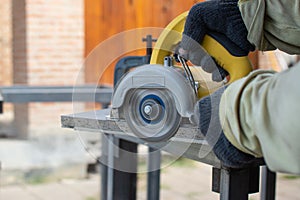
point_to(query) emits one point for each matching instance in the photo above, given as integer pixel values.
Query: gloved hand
(201, 58)
(206, 115)
(221, 16)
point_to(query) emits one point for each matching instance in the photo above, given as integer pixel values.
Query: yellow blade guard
(237, 67)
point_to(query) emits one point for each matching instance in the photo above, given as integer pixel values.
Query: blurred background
(44, 43)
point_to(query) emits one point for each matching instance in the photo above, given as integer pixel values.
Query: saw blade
(151, 114)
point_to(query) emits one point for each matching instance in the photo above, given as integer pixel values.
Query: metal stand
(1, 104)
(232, 184)
(117, 184)
(235, 184)
(268, 184)
(119, 163)
(153, 185)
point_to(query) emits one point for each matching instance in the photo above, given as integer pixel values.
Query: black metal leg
(268, 184)
(1, 105)
(125, 171)
(216, 179)
(103, 177)
(107, 167)
(110, 167)
(103, 166)
(153, 184)
(119, 167)
(236, 184)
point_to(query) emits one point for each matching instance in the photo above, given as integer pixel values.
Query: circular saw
(154, 99)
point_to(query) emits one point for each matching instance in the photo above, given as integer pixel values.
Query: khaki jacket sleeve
(272, 24)
(260, 115)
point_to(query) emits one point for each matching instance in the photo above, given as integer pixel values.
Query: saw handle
(237, 64)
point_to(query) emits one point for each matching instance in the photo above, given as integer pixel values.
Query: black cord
(188, 73)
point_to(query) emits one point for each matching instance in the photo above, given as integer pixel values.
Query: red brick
(50, 52)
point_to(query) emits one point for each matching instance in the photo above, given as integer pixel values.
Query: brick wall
(5, 43)
(55, 40)
(48, 50)
(6, 62)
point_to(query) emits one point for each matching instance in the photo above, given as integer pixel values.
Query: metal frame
(85, 93)
(268, 184)
(1, 103)
(232, 184)
(17, 94)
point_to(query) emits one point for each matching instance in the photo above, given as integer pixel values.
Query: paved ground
(182, 181)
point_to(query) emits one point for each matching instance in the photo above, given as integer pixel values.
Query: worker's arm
(260, 113)
(272, 24)
(260, 116)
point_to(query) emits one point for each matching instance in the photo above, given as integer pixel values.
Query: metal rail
(28, 94)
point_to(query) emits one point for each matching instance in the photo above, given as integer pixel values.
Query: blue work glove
(207, 117)
(221, 16)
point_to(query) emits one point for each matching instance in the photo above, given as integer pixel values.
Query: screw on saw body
(168, 61)
(188, 73)
(148, 109)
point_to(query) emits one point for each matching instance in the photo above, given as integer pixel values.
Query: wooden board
(105, 18)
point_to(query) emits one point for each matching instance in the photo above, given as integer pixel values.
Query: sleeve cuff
(233, 123)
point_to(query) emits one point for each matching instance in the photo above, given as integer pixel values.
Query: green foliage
(184, 162)
(91, 198)
(291, 177)
(36, 177)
